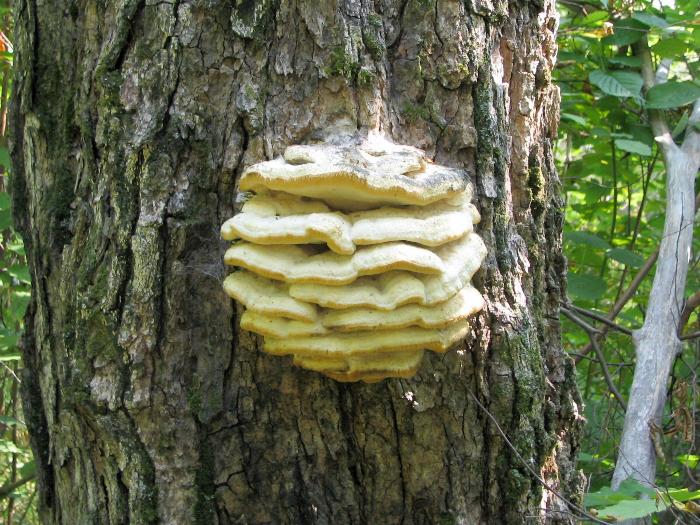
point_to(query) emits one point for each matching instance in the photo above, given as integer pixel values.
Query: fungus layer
(263, 296)
(299, 264)
(369, 342)
(355, 178)
(355, 258)
(391, 290)
(467, 302)
(264, 221)
(370, 368)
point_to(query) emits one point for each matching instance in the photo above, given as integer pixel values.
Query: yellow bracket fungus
(262, 222)
(467, 302)
(368, 368)
(299, 264)
(350, 177)
(369, 342)
(356, 258)
(388, 291)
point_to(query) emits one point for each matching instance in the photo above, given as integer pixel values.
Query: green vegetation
(17, 466)
(342, 64)
(614, 176)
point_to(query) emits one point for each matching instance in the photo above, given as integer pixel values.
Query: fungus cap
(263, 296)
(263, 221)
(349, 177)
(369, 342)
(366, 368)
(299, 264)
(461, 259)
(467, 302)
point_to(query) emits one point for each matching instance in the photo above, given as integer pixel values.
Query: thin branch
(690, 305)
(8, 489)
(689, 337)
(532, 471)
(595, 360)
(592, 332)
(625, 297)
(629, 293)
(599, 317)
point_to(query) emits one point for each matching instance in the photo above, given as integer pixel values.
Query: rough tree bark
(132, 121)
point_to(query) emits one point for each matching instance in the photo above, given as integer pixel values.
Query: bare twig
(625, 297)
(575, 508)
(9, 488)
(629, 293)
(599, 317)
(592, 332)
(688, 337)
(690, 305)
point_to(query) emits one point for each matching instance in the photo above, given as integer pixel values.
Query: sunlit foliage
(615, 187)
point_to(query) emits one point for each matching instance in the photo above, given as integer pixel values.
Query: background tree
(145, 402)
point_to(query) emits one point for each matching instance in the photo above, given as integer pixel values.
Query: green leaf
(633, 488)
(629, 489)
(594, 17)
(10, 421)
(585, 457)
(649, 19)
(20, 301)
(625, 32)
(681, 125)
(689, 460)
(631, 508)
(8, 339)
(642, 133)
(5, 201)
(28, 469)
(670, 48)
(5, 219)
(586, 287)
(617, 83)
(20, 272)
(575, 118)
(681, 494)
(694, 66)
(586, 238)
(5, 159)
(626, 61)
(633, 146)
(625, 256)
(8, 447)
(603, 498)
(672, 94)
(10, 356)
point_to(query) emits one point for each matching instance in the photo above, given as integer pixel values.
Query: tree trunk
(146, 403)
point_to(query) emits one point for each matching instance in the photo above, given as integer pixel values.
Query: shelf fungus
(354, 259)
